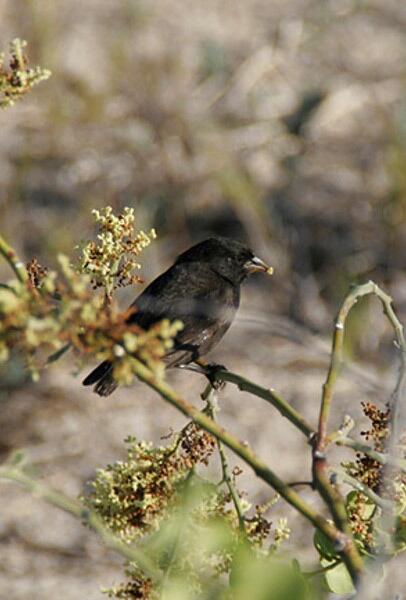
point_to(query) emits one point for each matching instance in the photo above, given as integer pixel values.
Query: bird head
(229, 258)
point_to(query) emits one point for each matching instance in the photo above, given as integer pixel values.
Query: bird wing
(198, 297)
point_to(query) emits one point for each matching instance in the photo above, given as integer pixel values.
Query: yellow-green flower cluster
(149, 347)
(111, 261)
(51, 311)
(133, 496)
(282, 531)
(17, 78)
(159, 494)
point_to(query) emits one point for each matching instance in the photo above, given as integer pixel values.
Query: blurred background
(281, 123)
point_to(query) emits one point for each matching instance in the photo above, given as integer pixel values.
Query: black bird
(201, 289)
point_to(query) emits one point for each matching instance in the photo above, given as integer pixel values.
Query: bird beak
(256, 264)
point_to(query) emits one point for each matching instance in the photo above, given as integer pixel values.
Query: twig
(342, 543)
(386, 505)
(73, 507)
(285, 409)
(383, 459)
(398, 394)
(345, 428)
(13, 260)
(209, 397)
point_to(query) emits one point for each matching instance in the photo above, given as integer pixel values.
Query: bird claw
(211, 373)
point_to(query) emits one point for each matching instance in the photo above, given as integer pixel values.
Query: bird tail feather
(102, 376)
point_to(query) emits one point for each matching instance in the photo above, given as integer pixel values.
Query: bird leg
(209, 370)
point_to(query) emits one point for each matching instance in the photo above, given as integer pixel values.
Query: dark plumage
(202, 289)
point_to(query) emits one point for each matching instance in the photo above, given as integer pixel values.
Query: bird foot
(211, 372)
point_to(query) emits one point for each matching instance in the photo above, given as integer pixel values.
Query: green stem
(15, 263)
(89, 517)
(343, 543)
(208, 396)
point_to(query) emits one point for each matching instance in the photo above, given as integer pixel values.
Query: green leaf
(338, 578)
(324, 546)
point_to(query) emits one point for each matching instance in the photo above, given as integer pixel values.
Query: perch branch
(284, 408)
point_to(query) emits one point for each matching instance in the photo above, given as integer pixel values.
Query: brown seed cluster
(53, 310)
(139, 588)
(158, 488)
(197, 445)
(368, 470)
(380, 421)
(258, 527)
(36, 273)
(390, 485)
